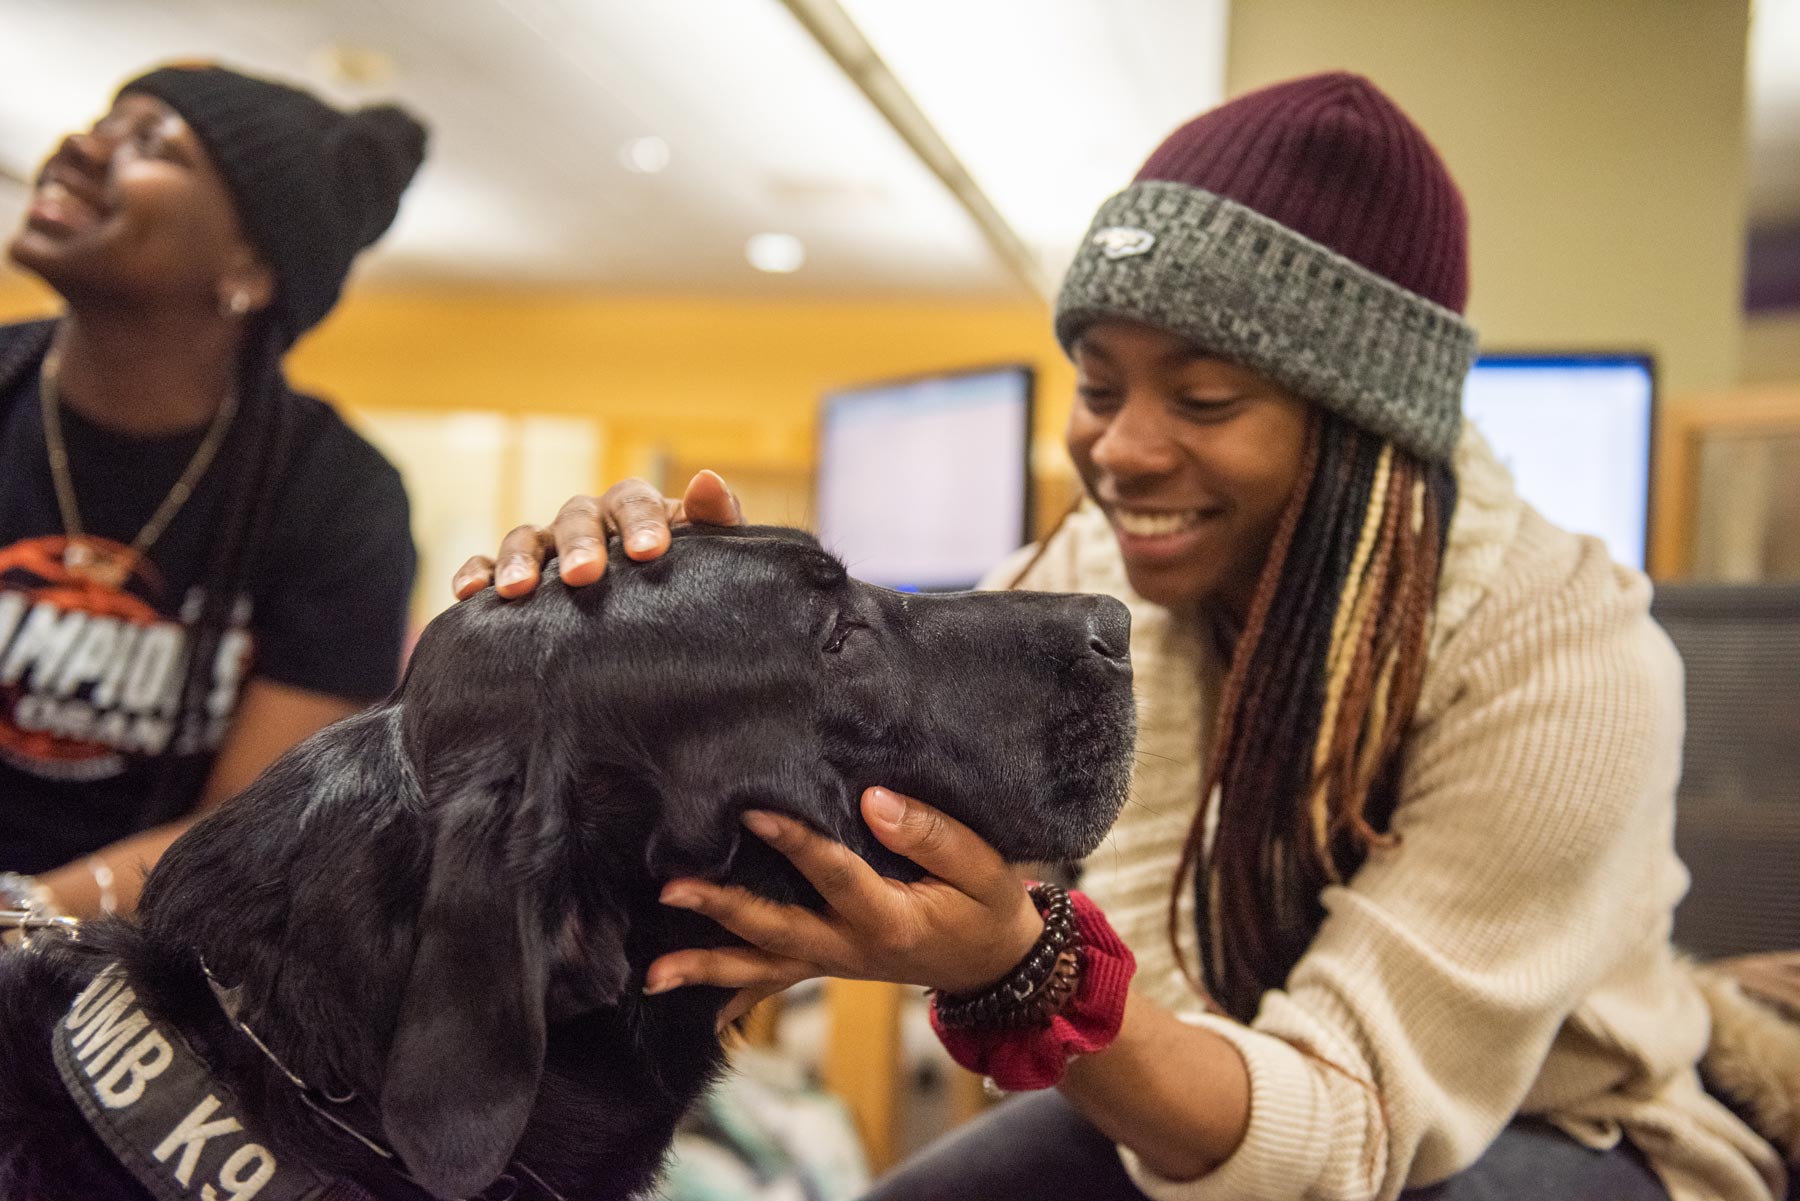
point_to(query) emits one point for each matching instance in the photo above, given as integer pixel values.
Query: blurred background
(654, 237)
(810, 244)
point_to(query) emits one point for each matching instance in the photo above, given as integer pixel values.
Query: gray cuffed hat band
(1249, 289)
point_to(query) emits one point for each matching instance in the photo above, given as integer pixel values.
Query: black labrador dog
(408, 960)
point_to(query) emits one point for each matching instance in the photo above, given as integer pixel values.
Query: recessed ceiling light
(645, 155)
(354, 66)
(775, 253)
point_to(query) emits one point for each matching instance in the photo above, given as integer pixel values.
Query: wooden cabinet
(1726, 500)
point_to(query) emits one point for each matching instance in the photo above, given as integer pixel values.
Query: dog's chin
(1090, 783)
(1072, 811)
(1078, 828)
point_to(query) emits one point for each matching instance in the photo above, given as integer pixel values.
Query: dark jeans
(1037, 1148)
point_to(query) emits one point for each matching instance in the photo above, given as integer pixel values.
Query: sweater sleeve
(1536, 806)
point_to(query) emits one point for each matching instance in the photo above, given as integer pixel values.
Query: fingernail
(887, 806)
(512, 573)
(675, 896)
(663, 985)
(577, 558)
(641, 540)
(763, 825)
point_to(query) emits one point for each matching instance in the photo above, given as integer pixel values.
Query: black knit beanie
(314, 185)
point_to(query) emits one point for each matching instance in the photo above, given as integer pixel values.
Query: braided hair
(255, 451)
(1323, 682)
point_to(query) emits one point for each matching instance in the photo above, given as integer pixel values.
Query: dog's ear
(468, 1049)
(710, 779)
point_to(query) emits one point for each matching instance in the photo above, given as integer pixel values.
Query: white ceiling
(531, 102)
(1049, 105)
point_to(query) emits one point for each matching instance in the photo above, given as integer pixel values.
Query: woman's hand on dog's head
(632, 509)
(961, 928)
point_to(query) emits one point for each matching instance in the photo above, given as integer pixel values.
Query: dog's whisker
(1149, 808)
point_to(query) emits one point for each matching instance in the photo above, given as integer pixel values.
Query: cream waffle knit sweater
(1511, 954)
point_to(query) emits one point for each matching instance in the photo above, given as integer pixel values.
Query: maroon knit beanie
(1331, 157)
(1310, 232)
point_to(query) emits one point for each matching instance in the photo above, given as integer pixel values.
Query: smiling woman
(1191, 457)
(157, 649)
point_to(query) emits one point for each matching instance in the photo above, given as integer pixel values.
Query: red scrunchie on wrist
(1019, 1060)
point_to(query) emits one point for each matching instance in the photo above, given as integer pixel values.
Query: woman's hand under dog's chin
(965, 925)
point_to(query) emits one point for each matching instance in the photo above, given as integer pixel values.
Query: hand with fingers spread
(639, 514)
(964, 926)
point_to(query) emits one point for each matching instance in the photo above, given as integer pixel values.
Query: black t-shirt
(90, 676)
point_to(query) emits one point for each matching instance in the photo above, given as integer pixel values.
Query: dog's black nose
(1109, 630)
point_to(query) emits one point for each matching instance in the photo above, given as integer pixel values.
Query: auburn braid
(1322, 685)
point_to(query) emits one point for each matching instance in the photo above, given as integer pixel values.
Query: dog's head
(746, 669)
(547, 763)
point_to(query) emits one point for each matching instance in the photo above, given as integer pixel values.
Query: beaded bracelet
(1082, 1023)
(1035, 991)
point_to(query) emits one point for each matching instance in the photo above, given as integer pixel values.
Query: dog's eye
(840, 634)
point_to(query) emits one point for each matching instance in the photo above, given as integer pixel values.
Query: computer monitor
(924, 484)
(1577, 431)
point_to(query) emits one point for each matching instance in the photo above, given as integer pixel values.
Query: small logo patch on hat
(1123, 241)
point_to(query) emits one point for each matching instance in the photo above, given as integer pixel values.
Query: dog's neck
(336, 1109)
(162, 1111)
(185, 1094)
(591, 1108)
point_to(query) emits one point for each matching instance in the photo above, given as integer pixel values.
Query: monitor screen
(924, 484)
(1576, 433)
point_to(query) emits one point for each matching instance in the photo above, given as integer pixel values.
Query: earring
(236, 304)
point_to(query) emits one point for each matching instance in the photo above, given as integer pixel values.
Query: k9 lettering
(121, 1052)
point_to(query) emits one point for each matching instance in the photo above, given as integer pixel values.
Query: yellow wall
(735, 381)
(22, 296)
(1772, 349)
(1600, 145)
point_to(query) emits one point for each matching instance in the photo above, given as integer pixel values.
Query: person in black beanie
(198, 566)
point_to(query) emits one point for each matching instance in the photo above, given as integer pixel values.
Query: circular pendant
(88, 562)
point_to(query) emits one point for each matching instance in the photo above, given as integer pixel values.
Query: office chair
(1737, 823)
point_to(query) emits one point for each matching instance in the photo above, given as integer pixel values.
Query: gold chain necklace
(84, 556)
